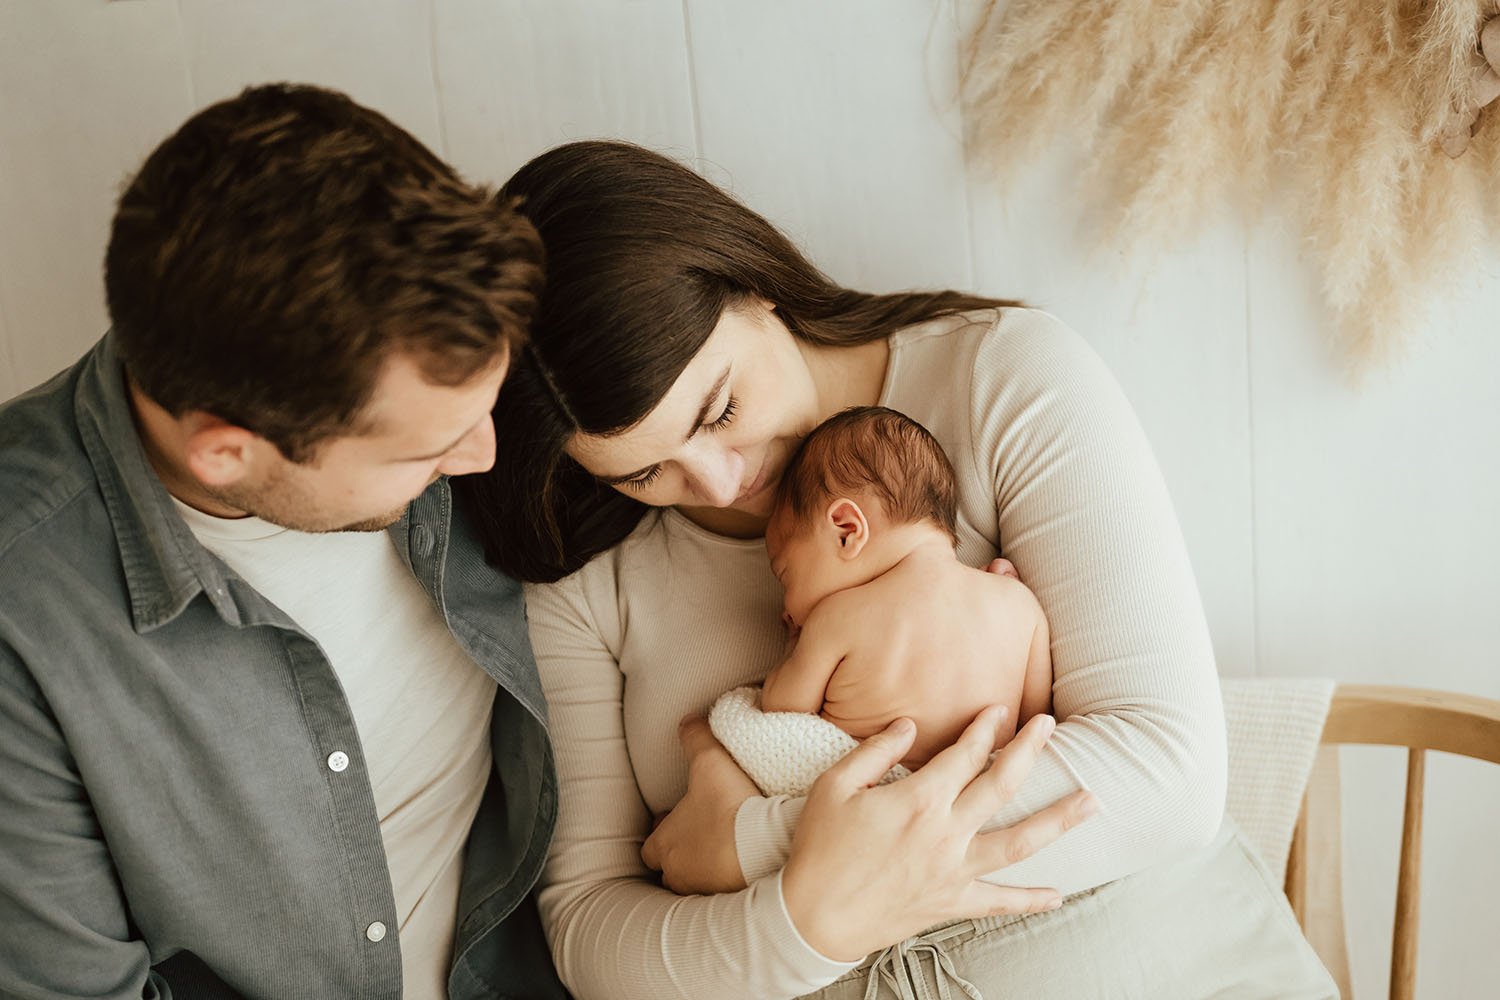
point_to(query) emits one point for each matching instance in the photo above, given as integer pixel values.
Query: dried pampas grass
(1339, 105)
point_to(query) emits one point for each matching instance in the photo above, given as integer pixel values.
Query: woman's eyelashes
(645, 479)
(725, 418)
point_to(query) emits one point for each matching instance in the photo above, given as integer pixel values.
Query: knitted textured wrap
(782, 752)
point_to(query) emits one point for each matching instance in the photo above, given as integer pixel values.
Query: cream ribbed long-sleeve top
(1054, 470)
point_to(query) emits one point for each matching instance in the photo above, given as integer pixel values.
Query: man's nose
(475, 453)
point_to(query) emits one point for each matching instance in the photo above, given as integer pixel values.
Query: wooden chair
(1387, 716)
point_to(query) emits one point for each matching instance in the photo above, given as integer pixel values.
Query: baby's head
(861, 490)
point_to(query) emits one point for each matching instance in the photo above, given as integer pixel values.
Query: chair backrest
(1387, 716)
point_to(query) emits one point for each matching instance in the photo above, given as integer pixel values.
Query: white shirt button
(337, 761)
(376, 931)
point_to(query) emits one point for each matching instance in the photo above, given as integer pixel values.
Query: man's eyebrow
(703, 411)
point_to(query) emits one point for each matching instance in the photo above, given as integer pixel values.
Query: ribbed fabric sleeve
(613, 931)
(1053, 465)
(1054, 469)
(763, 833)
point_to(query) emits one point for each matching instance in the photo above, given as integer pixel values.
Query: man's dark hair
(274, 252)
(873, 451)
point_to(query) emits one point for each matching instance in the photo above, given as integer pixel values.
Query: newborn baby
(885, 621)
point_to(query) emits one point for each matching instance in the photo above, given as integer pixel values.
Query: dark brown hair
(281, 245)
(643, 256)
(872, 451)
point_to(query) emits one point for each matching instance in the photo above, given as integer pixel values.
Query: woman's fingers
(1003, 900)
(985, 794)
(869, 866)
(1001, 848)
(948, 774)
(867, 763)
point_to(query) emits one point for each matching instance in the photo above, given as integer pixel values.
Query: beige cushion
(1274, 728)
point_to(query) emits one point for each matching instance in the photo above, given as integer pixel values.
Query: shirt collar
(164, 565)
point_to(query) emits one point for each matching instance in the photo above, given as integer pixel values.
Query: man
(268, 724)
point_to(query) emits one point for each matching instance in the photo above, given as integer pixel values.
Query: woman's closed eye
(644, 479)
(727, 417)
(724, 419)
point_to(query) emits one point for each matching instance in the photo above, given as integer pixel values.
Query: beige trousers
(1210, 924)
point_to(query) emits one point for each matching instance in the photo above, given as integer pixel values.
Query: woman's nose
(720, 477)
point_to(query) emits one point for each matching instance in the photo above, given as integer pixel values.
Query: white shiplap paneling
(1172, 329)
(86, 90)
(1376, 502)
(1376, 558)
(377, 51)
(516, 77)
(823, 118)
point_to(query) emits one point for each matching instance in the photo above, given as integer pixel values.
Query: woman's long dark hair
(642, 257)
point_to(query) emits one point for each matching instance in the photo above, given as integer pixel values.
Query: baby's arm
(1036, 689)
(1036, 685)
(799, 683)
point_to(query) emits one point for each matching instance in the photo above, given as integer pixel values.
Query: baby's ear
(851, 529)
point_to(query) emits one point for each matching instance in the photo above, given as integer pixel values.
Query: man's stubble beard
(283, 501)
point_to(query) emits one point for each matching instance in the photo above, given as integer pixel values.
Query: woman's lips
(758, 483)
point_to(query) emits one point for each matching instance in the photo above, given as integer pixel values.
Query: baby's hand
(1003, 567)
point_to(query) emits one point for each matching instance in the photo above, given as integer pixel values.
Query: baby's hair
(873, 450)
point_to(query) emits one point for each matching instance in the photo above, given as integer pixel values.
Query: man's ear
(850, 527)
(217, 452)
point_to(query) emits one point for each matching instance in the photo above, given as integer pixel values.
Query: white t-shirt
(1053, 468)
(420, 703)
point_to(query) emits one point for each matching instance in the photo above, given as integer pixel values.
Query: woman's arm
(873, 866)
(613, 930)
(1082, 511)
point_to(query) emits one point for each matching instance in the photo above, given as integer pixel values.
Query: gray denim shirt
(169, 822)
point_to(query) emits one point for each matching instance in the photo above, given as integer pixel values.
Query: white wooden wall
(1340, 531)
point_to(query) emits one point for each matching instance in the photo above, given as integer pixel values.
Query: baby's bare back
(935, 643)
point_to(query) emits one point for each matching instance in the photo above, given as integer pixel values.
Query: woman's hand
(693, 846)
(873, 865)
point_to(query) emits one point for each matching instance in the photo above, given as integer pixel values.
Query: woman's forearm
(626, 939)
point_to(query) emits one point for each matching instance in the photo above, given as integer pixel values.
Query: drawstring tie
(900, 968)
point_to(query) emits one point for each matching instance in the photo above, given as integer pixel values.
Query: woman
(682, 348)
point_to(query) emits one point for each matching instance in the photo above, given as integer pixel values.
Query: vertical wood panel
(517, 77)
(377, 51)
(1375, 554)
(836, 120)
(86, 90)
(1171, 325)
